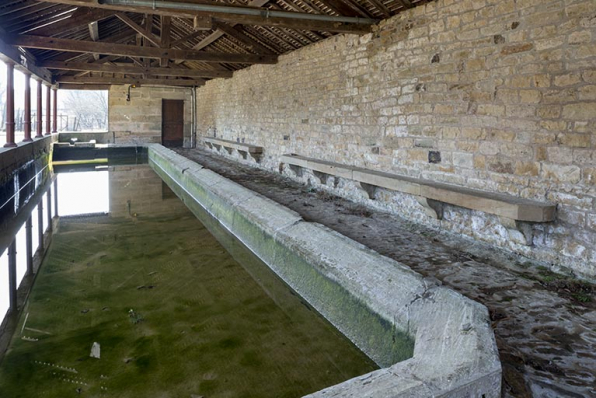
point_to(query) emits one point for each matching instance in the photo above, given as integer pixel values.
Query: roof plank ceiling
(91, 41)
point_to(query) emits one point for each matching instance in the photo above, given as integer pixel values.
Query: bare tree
(89, 107)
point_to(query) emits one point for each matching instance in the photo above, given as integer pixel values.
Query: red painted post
(39, 111)
(10, 106)
(55, 118)
(27, 122)
(48, 110)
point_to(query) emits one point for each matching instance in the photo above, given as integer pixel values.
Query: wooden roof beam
(166, 31)
(243, 38)
(301, 21)
(93, 87)
(187, 37)
(219, 33)
(405, 3)
(138, 82)
(94, 34)
(19, 6)
(23, 60)
(139, 29)
(341, 8)
(135, 70)
(81, 46)
(79, 18)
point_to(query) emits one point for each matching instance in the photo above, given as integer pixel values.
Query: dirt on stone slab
(544, 323)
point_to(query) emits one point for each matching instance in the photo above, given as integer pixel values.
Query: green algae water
(171, 306)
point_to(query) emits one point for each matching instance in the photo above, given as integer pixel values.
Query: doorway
(172, 125)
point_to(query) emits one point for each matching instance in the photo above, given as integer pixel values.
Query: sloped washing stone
(370, 298)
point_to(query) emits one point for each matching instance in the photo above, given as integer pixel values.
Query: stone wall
(138, 121)
(497, 95)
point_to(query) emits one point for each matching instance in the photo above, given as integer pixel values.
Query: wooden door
(172, 125)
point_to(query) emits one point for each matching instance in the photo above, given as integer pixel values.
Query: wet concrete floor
(545, 323)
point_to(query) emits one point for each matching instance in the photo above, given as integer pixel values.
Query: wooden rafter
(80, 18)
(186, 38)
(135, 51)
(231, 41)
(166, 28)
(262, 20)
(340, 7)
(94, 87)
(239, 35)
(116, 80)
(139, 29)
(219, 33)
(94, 34)
(135, 70)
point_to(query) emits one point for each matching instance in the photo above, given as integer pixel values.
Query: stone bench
(245, 150)
(432, 195)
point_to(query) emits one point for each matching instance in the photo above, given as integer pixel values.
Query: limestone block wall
(138, 121)
(497, 95)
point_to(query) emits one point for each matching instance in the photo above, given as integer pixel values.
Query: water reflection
(27, 194)
(173, 312)
(88, 192)
(21, 254)
(21, 197)
(4, 298)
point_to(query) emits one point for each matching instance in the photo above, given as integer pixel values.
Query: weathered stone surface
(455, 352)
(525, 299)
(138, 121)
(235, 145)
(501, 115)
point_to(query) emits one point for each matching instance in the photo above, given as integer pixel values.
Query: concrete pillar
(39, 111)
(55, 114)
(48, 109)
(12, 275)
(10, 106)
(56, 197)
(40, 223)
(29, 237)
(49, 198)
(27, 121)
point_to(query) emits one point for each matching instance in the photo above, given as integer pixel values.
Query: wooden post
(55, 116)
(27, 122)
(48, 110)
(12, 275)
(10, 106)
(39, 111)
(29, 237)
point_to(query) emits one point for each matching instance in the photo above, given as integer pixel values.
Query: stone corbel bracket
(432, 208)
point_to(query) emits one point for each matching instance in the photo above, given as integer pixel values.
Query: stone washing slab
(502, 205)
(234, 145)
(361, 292)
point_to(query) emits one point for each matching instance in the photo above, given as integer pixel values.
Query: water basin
(178, 307)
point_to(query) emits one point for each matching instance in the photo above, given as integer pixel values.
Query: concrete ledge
(11, 159)
(233, 145)
(506, 206)
(368, 297)
(102, 137)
